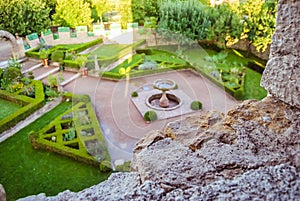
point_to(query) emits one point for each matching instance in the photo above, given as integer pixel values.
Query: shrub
(134, 94)
(57, 56)
(196, 105)
(105, 166)
(124, 167)
(150, 116)
(14, 63)
(12, 74)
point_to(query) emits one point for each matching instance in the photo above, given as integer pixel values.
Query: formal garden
(66, 147)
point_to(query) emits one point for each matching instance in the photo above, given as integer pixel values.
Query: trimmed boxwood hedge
(196, 105)
(236, 93)
(30, 105)
(87, 146)
(34, 53)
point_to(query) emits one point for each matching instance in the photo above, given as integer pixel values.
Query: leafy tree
(72, 13)
(24, 16)
(103, 6)
(225, 24)
(259, 22)
(144, 8)
(124, 9)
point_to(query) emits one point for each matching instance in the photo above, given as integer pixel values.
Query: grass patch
(26, 171)
(109, 50)
(8, 108)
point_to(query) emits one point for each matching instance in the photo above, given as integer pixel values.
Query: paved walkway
(121, 122)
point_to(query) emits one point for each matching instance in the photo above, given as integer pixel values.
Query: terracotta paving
(122, 123)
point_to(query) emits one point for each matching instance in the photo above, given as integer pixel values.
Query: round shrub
(196, 105)
(134, 94)
(150, 115)
(57, 56)
(105, 166)
(12, 74)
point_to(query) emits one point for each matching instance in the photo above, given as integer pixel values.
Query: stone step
(71, 79)
(32, 68)
(47, 74)
(3, 64)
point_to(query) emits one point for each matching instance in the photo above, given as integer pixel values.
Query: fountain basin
(153, 102)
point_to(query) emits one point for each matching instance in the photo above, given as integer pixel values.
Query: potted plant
(81, 60)
(44, 53)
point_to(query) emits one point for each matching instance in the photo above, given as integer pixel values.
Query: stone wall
(281, 77)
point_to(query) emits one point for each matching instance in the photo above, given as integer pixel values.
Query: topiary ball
(196, 105)
(150, 115)
(134, 94)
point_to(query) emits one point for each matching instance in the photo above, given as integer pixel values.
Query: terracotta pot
(45, 62)
(84, 72)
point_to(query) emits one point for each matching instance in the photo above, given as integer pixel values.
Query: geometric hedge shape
(29, 104)
(73, 138)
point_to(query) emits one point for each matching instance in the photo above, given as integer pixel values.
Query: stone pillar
(281, 77)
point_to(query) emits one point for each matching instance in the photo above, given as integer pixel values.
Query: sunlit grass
(26, 171)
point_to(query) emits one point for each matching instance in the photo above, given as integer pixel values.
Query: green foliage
(123, 168)
(72, 13)
(124, 9)
(196, 105)
(83, 140)
(259, 21)
(81, 60)
(24, 16)
(105, 166)
(144, 8)
(30, 105)
(57, 56)
(44, 53)
(12, 74)
(134, 94)
(150, 115)
(12, 62)
(191, 19)
(17, 157)
(103, 6)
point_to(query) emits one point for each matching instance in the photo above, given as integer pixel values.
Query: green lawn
(109, 50)
(7, 108)
(26, 171)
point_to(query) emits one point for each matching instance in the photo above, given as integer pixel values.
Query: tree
(124, 9)
(144, 8)
(103, 6)
(24, 16)
(225, 24)
(72, 13)
(259, 22)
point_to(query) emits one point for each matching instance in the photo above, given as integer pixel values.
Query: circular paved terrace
(120, 120)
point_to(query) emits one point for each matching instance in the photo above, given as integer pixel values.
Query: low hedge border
(237, 94)
(30, 105)
(34, 53)
(80, 152)
(139, 73)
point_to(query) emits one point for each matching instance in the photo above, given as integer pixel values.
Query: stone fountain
(164, 101)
